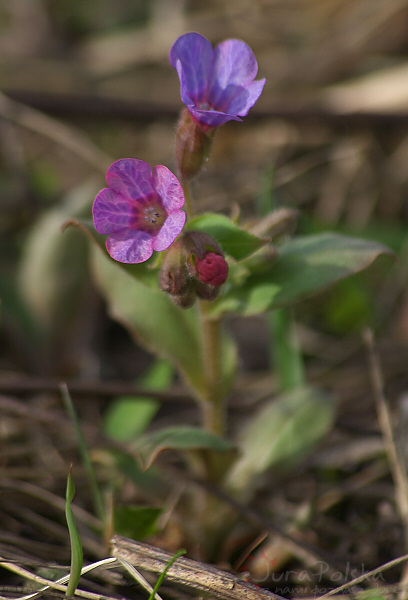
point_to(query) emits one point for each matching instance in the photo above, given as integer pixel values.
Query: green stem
(212, 400)
(213, 408)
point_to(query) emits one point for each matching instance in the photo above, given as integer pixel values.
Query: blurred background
(86, 83)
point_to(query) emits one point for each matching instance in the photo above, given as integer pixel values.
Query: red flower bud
(212, 269)
(193, 266)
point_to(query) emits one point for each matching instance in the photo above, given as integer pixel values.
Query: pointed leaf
(305, 266)
(128, 416)
(178, 438)
(151, 317)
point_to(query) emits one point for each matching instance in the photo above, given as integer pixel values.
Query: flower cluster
(141, 209)
(193, 267)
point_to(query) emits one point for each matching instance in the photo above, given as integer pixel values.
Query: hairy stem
(213, 404)
(212, 400)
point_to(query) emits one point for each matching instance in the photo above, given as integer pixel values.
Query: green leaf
(142, 272)
(285, 350)
(128, 416)
(53, 274)
(350, 308)
(236, 242)
(178, 438)
(151, 317)
(136, 522)
(127, 463)
(305, 266)
(76, 546)
(281, 434)
(84, 451)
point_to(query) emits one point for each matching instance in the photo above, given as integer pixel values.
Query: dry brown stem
(203, 578)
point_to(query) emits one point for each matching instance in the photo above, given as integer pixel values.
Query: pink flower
(217, 85)
(140, 210)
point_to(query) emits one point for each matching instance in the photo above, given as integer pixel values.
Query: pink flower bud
(212, 269)
(193, 267)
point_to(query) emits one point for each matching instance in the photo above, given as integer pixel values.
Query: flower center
(205, 106)
(151, 217)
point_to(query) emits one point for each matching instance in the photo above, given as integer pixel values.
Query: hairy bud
(193, 145)
(212, 269)
(194, 266)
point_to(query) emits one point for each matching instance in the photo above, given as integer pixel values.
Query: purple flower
(140, 210)
(216, 85)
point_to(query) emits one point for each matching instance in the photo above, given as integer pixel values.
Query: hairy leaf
(305, 266)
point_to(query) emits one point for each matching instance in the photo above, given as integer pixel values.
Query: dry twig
(203, 578)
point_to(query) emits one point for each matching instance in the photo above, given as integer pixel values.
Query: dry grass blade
(50, 498)
(68, 137)
(138, 577)
(366, 576)
(396, 464)
(56, 585)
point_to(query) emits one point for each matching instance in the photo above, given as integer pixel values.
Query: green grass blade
(164, 572)
(83, 449)
(76, 546)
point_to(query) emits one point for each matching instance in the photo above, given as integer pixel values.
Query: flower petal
(170, 230)
(130, 246)
(235, 67)
(240, 103)
(234, 63)
(168, 188)
(192, 56)
(211, 118)
(112, 212)
(131, 177)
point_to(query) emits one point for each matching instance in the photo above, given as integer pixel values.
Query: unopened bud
(193, 266)
(212, 269)
(206, 291)
(193, 145)
(174, 277)
(185, 300)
